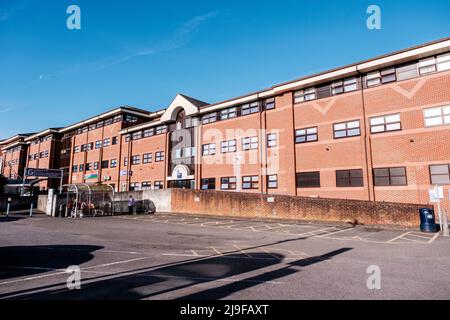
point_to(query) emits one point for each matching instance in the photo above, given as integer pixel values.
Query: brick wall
(289, 207)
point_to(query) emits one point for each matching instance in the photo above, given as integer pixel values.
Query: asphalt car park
(189, 257)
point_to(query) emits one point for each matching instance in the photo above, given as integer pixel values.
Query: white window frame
(385, 123)
(437, 116)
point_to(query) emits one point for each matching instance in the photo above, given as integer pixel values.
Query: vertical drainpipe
(72, 155)
(262, 147)
(119, 160)
(198, 159)
(166, 157)
(129, 155)
(293, 142)
(367, 145)
(100, 157)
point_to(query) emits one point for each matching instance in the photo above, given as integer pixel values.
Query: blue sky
(142, 53)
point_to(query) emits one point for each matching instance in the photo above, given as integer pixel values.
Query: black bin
(427, 220)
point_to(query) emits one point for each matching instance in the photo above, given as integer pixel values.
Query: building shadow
(145, 283)
(21, 261)
(10, 219)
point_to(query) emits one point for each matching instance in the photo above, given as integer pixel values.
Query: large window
(113, 163)
(228, 113)
(271, 140)
(136, 135)
(161, 129)
(98, 144)
(390, 177)
(440, 174)
(343, 86)
(272, 181)
(349, 178)
(269, 104)
(208, 184)
(306, 135)
(250, 182)
(304, 95)
(228, 146)
(105, 164)
(250, 143)
(308, 179)
(373, 79)
(346, 129)
(159, 156)
(437, 116)
(209, 118)
(427, 66)
(443, 62)
(228, 183)
(250, 108)
(147, 158)
(149, 132)
(209, 149)
(407, 72)
(158, 185)
(385, 123)
(146, 185)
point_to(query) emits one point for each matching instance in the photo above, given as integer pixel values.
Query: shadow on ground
(21, 261)
(151, 282)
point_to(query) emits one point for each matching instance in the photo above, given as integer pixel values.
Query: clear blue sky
(141, 53)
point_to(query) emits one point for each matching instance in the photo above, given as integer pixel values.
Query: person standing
(131, 205)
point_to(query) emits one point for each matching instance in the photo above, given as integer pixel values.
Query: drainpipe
(367, 145)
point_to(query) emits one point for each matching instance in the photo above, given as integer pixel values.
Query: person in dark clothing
(131, 203)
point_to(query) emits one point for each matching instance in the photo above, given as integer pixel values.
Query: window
(306, 135)
(228, 183)
(228, 113)
(136, 135)
(443, 62)
(98, 144)
(135, 186)
(159, 156)
(159, 185)
(83, 147)
(407, 72)
(250, 143)
(76, 149)
(75, 168)
(128, 138)
(385, 123)
(269, 104)
(146, 185)
(99, 124)
(343, 86)
(117, 118)
(125, 161)
(189, 152)
(228, 146)
(209, 149)
(178, 153)
(427, 66)
(250, 108)
(149, 132)
(81, 168)
(272, 181)
(308, 179)
(251, 182)
(92, 127)
(437, 116)
(349, 178)
(89, 146)
(388, 75)
(95, 165)
(113, 163)
(130, 118)
(440, 174)
(105, 164)
(346, 129)
(209, 118)
(161, 129)
(108, 121)
(88, 166)
(208, 184)
(115, 140)
(373, 79)
(390, 177)
(135, 160)
(304, 95)
(271, 140)
(147, 158)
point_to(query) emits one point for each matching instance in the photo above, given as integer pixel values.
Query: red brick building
(375, 130)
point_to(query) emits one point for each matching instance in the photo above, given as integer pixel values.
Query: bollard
(7, 210)
(31, 210)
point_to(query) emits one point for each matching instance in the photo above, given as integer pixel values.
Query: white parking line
(399, 237)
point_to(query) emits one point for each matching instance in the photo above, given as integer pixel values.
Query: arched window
(180, 122)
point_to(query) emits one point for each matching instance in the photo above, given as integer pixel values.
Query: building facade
(377, 130)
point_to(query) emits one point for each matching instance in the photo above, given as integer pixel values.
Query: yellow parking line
(399, 237)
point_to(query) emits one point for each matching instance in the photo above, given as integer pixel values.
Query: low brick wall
(297, 208)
